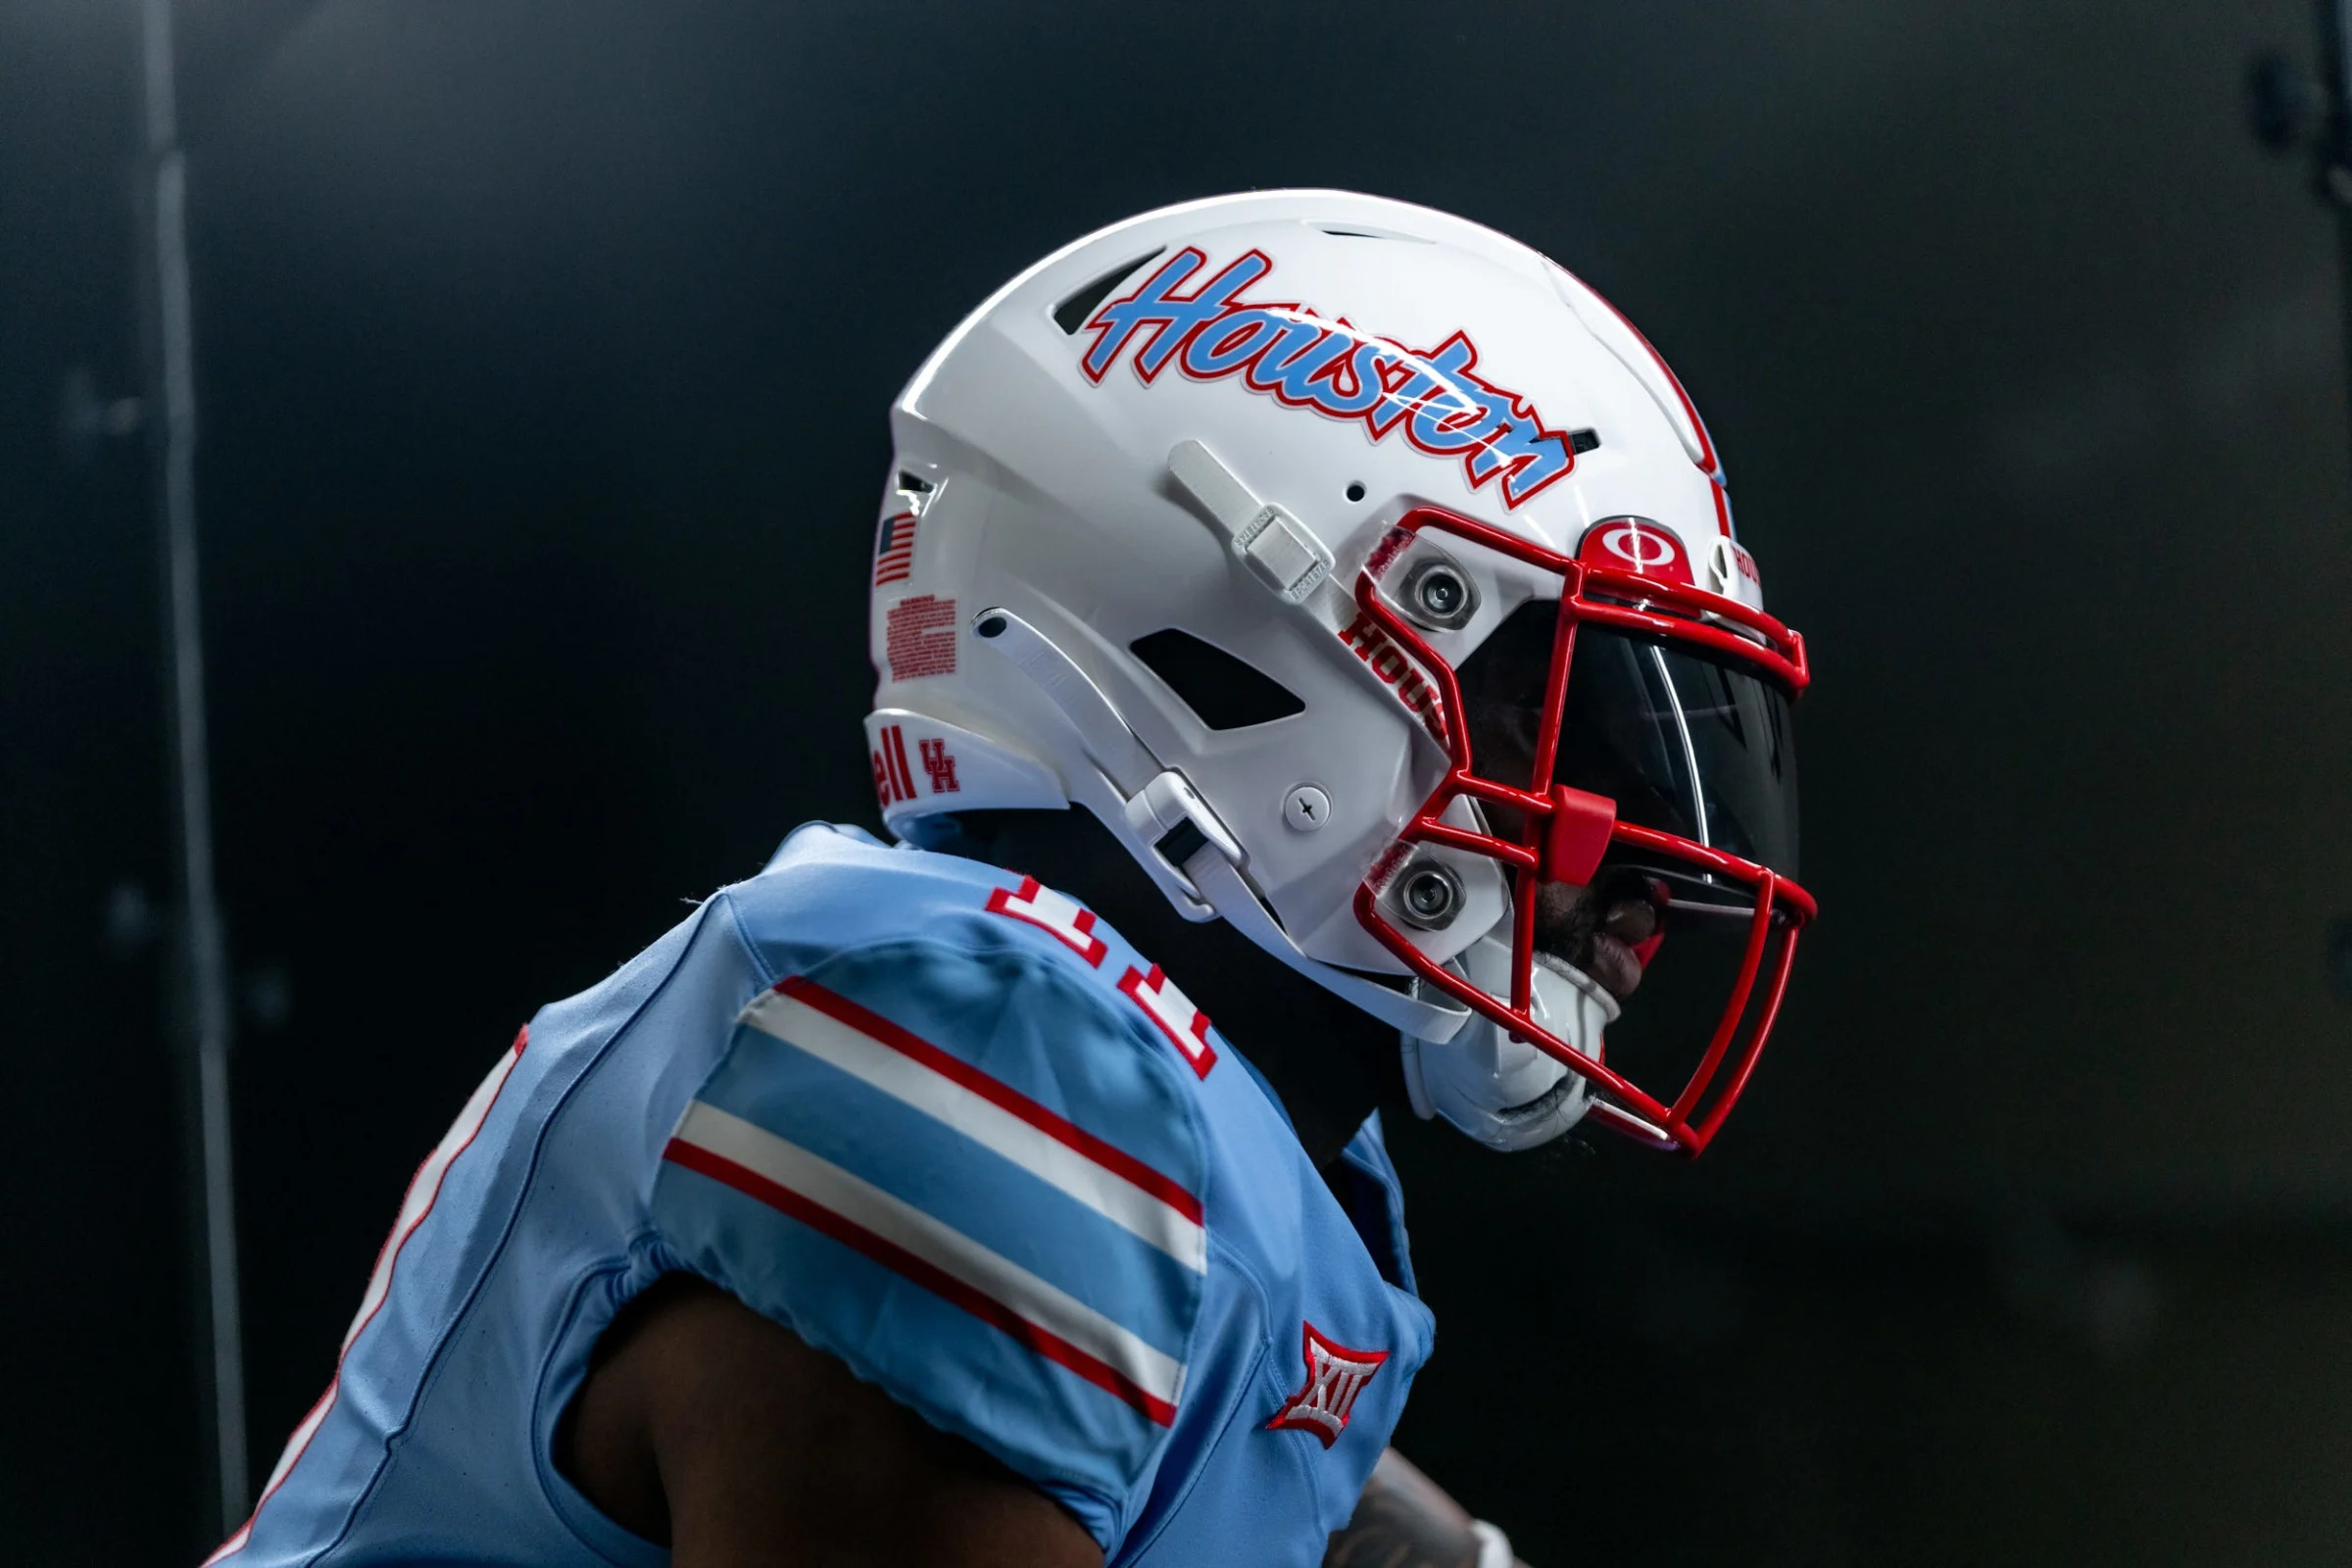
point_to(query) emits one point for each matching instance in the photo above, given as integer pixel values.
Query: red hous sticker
(1371, 644)
(1334, 1376)
(1636, 543)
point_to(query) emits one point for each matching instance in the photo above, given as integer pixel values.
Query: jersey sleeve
(967, 1173)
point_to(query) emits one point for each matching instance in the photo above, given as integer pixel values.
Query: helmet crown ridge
(1216, 437)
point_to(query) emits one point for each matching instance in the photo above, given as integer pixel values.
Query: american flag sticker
(893, 549)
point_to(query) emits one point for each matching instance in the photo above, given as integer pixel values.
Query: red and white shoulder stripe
(945, 1086)
(919, 1247)
(930, 1253)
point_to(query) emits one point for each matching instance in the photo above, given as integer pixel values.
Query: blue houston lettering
(1166, 319)
(1526, 455)
(1363, 368)
(1234, 340)
(1292, 363)
(1450, 418)
(1303, 361)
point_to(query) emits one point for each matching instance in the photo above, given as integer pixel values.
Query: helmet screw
(1430, 895)
(1307, 808)
(1437, 594)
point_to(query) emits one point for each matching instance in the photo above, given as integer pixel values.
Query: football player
(1298, 609)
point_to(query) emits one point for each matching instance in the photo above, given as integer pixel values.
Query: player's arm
(1405, 1520)
(711, 1427)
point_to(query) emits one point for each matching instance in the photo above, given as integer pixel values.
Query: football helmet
(1374, 582)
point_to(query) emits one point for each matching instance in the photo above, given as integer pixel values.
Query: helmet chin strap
(1148, 802)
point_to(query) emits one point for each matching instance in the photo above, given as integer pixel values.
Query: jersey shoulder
(828, 887)
(943, 1148)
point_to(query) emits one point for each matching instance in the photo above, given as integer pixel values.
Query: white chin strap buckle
(1275, 546)
(1170, 816)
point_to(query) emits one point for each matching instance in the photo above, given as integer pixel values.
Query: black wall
(543, 354)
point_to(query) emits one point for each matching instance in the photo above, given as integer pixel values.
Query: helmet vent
(1071, 313)
(914, 493)
(1374, 233)
(1583, 441)
(1222, 690)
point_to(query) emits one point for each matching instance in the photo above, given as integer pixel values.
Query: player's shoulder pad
(946, 1150)
(831, 888)
(828, 889)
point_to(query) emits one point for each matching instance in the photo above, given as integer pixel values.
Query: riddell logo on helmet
(1373, 646)
(1304, 362)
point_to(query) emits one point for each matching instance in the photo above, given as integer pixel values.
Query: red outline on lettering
(987, 1308)
(1159, 324)
(1391, 362)
(953, 1068)
(1001, 902)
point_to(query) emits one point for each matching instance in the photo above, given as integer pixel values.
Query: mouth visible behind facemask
(1503, 1092)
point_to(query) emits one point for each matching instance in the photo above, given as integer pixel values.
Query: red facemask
(1705, 847)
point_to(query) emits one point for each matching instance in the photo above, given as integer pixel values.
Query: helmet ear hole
(1222, 690)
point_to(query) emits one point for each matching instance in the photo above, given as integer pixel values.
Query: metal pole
(206, 1016)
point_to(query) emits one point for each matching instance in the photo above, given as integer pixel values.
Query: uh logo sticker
(1335, 1377)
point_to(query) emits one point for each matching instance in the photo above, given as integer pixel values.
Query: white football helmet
(1195, 522)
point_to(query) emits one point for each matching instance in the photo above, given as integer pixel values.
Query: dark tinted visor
(1684, 741)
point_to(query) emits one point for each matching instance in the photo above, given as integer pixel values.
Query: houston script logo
(1301, 361)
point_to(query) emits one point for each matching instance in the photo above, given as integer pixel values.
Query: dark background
(543, 350)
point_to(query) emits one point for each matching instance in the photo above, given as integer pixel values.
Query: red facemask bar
(1568, 831)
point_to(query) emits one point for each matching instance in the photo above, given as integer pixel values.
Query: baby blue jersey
(944, 1125)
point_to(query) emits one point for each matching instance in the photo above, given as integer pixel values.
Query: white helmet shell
(1205, 421)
